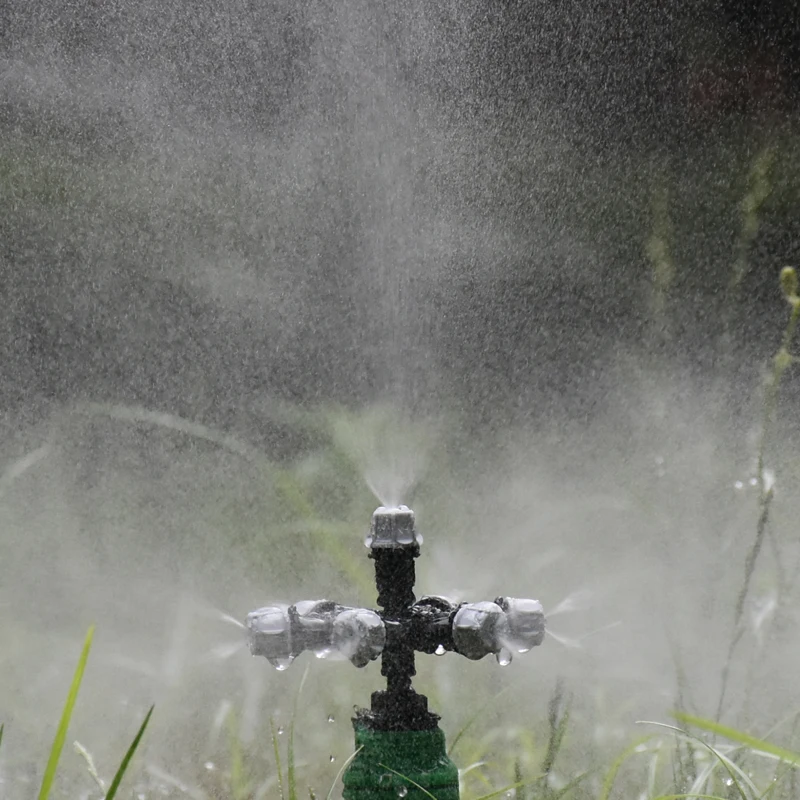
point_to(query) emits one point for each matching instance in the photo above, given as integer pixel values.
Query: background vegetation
(519, 268)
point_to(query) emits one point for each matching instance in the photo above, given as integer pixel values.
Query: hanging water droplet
(405, 535)
(332, 759)
(440, 651)
(402, 791)
(729, 782)
(738, 485)
(753, 481)
(330, 718)
(368, 541)
(209, 765)
(504, 657)
(280, 730)
(281, 663)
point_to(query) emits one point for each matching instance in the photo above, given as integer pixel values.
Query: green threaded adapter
(389, 764)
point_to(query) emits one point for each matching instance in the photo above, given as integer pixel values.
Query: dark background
(588, 108)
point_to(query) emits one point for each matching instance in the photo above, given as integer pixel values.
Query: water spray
(400, 749)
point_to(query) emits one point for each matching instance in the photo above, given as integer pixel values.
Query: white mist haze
(242, 309)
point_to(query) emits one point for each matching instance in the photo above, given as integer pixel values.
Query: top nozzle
(393, 528)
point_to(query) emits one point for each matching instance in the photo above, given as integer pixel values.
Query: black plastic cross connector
(401, 627)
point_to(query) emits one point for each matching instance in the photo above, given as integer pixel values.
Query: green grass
(125, 763)
(49, 777)
(66, 716)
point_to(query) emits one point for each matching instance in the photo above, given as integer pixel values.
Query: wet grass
(686, 756)
(61, 730)
(49, 777)
(695, 758)
(739, 765)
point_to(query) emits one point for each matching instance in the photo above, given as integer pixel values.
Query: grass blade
(512, 787)
(730, 766)
(571, 785)
(776, 781)
(291, 777)
(61, 732)
(2, 727)
(558, 717)
(91, 768)
(492, 701)
(138, 415)
(406, 778)
(112, 790)
(519, 794)
(339, 774)
(278, 765)
(734, 735)
(239, 786)
(689, 797)
(616, 765)
(291, 783)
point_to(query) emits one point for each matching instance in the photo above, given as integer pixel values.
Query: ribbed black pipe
(394, 577)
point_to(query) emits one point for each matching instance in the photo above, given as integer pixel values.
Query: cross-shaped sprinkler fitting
(401, 748)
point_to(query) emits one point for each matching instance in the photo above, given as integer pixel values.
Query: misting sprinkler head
(502, 627)
(393, 528)
(402, 627)
(280, 633)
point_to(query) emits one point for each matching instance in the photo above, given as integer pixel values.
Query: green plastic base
(390, 763)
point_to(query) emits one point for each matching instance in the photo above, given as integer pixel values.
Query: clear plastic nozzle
(280, 633)
(506, 625)
(525, 623)
(479, 629)
(359, 634)
(393, 528)
(269, 634)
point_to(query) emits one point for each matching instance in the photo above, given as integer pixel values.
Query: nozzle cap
(393, 528)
